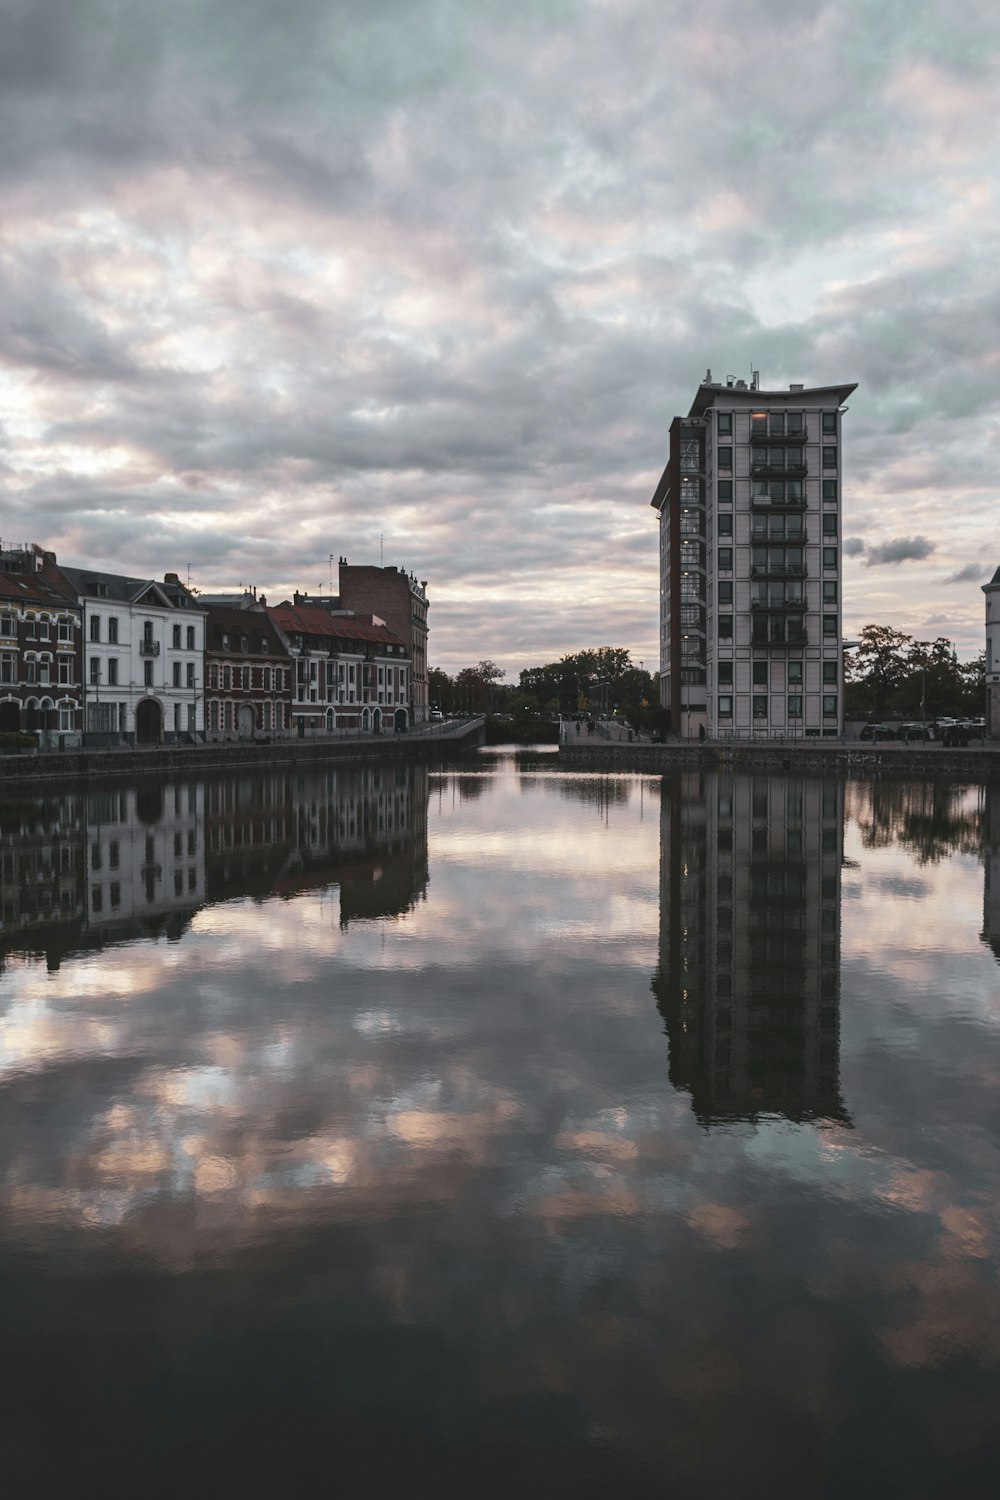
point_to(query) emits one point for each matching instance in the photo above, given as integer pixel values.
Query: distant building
(397, 598)
(41, 647)
(992, 592)
(750, 562)
(144, 645)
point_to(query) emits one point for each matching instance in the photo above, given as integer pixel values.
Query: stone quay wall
(192, 760)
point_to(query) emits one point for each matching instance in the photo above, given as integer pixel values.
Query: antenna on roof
(381, 550)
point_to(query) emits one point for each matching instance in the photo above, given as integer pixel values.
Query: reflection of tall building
(991, 862)
(748, 981)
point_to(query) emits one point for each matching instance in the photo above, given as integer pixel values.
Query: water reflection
(991, 861)
(382, 1163)
(749, 976)
(81, 870)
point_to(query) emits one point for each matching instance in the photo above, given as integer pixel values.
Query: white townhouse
(144, 658)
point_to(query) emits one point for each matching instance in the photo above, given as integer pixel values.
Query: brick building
(248, 673)
(348, 671)
(41, 647)
(401, 601)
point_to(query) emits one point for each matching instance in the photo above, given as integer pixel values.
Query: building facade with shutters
(348, 671)
(248, 672)
(144, 658)
(751, 581)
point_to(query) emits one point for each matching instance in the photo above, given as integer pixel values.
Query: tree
(878, 665)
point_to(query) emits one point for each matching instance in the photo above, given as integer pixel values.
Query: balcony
(759, 534)
(781, 644)
(776, 606)
(780, 570)
(149, 648)
(764, 468)
(760, 434)
(773, 502)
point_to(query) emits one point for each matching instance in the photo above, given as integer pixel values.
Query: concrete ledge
(854, 759)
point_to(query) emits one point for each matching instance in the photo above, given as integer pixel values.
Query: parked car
(955, 735)
(877, 732)
(436, 716)
(915, 731)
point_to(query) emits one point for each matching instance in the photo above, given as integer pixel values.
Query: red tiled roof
(309, 619)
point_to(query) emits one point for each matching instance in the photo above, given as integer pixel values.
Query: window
(725, 674)
(113, 671)
(829, 492)
(760, 706)
(95, 627)
(725, 627)
(190, 674)
(794, 705)
(725, 593)
(829, 705)
(65, 673)
(213, 675)
(147, 674)
(795, 424)
(225, 641)
(725, 423)
(830, 422)
(213, 714)
(829, 557)
(725, 706)
(726, 559)
(43, 630)
(725, 492)
(243, 643)
(95, 670)
(725, 460)
(263, 646)
(829, 458)
(65, 630)
(830, 672)
(177, 718)
(794, 673)
(245, 679)
(177, 674)
(725, 525)
(176, 637)
(8, 625)
(190, 637)
(829, 525)
(227, 678)
(760, 674)
(7, 660)
(830, 591)
(830, 625)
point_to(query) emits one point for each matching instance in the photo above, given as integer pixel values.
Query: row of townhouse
(89, 656)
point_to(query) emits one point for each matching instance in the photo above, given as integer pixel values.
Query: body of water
(377, 1131)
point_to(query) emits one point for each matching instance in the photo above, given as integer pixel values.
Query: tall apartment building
(749, 506)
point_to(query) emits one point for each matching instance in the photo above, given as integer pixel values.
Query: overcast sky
(282, 281)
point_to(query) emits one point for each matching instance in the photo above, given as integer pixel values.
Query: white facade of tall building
(751, 562)
(992, 592)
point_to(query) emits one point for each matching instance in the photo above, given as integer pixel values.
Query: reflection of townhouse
(41, 874)
(748, 982)
(145, 870)
(348, 672)
(145, 647)
(362, 828)
(248, 672)
(41, 650)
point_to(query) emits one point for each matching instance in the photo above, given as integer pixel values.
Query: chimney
(171, 578)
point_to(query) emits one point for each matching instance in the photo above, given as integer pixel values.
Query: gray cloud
(971, 573)
(275, 287)
(899, 549)
(853, 546)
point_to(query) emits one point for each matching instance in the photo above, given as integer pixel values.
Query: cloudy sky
(427, 279)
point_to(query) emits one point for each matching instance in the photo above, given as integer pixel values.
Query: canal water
(488, 1129)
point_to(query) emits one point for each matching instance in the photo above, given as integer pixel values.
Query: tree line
(891, 675)
(601, 680)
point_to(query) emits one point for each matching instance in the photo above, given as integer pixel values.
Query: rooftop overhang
(730, 395)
